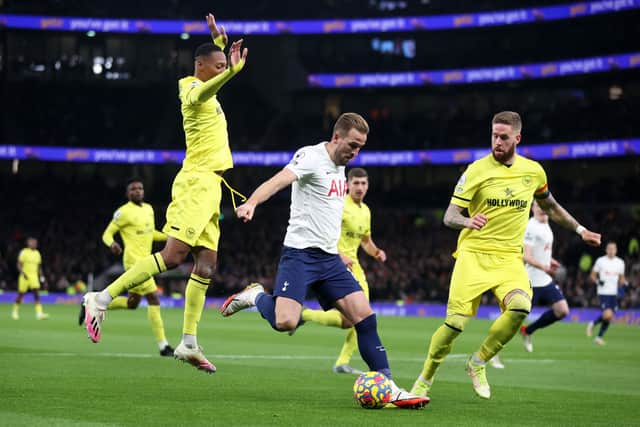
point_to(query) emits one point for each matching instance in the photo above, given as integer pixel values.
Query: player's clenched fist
(245, 211)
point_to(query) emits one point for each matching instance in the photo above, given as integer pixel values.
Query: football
(372, 390)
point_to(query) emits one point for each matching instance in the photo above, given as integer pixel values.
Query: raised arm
(560, 216)
(218, 34)
(202, 92)
(264, 192)
(453, 218)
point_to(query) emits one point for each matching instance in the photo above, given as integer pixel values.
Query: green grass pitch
(51, 374)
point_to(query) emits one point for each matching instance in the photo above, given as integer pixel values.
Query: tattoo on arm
(557, 213)
(453, 217)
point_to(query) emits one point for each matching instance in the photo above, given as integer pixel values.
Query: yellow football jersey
(136, 225)
(356, 223)
(502, 193)
(31, 260)
(205, 128)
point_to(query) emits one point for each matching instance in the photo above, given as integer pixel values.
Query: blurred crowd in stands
(68, 218)
(143, 118)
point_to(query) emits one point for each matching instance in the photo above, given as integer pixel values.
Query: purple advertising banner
(630, 317)
(556, 151)
(333, 26)
(465, 76)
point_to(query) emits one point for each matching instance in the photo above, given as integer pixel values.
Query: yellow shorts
(25, 284)
(192, 215)
(475, 273)
(358, 273)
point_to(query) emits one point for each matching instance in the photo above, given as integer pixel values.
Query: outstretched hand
(591, 238)
(234, 53)
(215, 30)
(245, 211)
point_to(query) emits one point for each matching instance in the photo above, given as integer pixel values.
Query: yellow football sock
(441, 344)
(327, 318)
(38, 308)
(16, 307)
(500, 333)
(118, 303)
(505, 326)
(153, 313)
(194, 299)
(141, 271)
(350, 345)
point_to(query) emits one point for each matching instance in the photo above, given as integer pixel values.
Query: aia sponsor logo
(338, 188)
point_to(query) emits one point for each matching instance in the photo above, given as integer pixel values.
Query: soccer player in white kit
(310, 256)
(608, 273)
(541, 267)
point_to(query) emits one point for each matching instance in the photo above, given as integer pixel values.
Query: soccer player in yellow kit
(30, 268)
(496, 191)
(355, 233)
(192, 217)
(135, 222)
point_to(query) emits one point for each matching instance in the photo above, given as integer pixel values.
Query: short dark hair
(133, 179)
(206, 49)
(357, 173)
(510, 118)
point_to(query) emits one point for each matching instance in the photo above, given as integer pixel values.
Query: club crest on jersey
(338, 188)
(297, 158)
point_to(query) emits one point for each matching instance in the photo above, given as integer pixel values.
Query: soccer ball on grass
(372, 390)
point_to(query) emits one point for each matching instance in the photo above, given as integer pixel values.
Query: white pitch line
(252, 356)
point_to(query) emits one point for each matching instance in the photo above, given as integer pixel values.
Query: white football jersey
(609, 271)
(540, 237)
(317, 200)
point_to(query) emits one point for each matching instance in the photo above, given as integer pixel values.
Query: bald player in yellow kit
(355, 233)
(135, 222)
(496, 191)
(192, 217)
